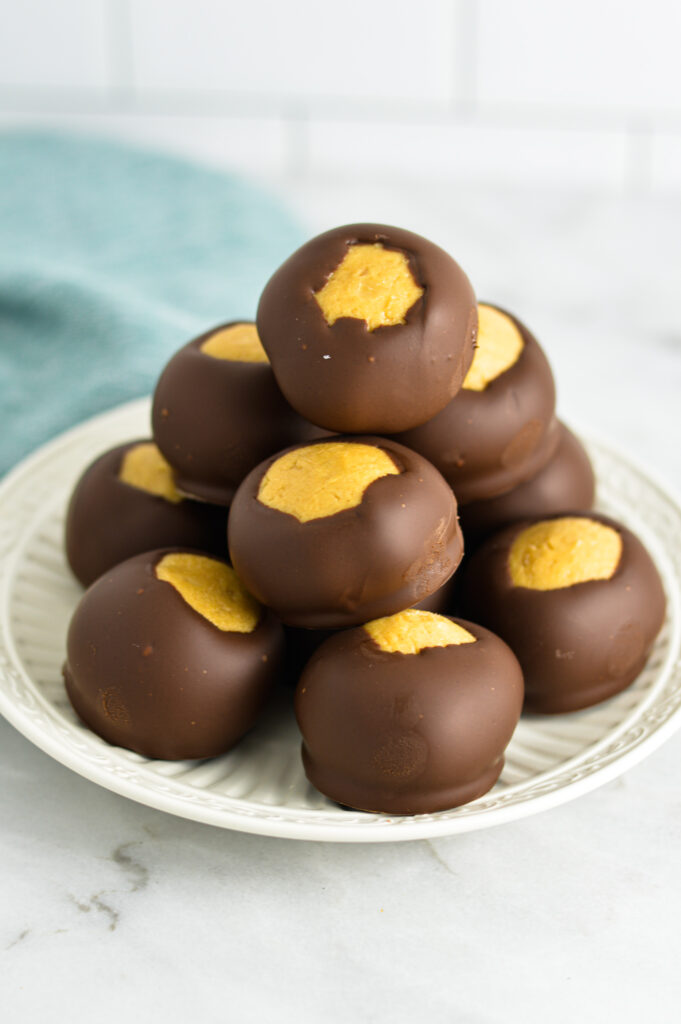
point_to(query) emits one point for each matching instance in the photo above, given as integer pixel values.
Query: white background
(502, 91)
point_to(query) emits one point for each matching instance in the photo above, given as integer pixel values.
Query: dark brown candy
(407, 733)
(566, 482)
(146, 671)
(401, 543)
(440, 601)
(215, 419)
(348, 378)
(486, 442)
(577, 644)
(108, 520)
(302, 643)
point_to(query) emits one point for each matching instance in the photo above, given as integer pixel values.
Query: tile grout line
(121, 56)
(466, 57)
(84, 101)
(296, 122)
(639, 157)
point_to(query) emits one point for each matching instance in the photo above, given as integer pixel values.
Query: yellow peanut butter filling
(556, 553)
(498, 348)
(212, 589)
(411, 631)
(322, 479)
(372, 284)
(240, 343)
(145, 468)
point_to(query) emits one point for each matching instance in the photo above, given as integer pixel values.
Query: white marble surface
(113, 911)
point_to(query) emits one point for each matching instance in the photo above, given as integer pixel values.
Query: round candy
(408, 714)
(168, 655)
(369, 329)
(125, 503)
(340, 531)
(576, 597)
(500, 429)
(218, 412)
(566, 482)
(302, 643)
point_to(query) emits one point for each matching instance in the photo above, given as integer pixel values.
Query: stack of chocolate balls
(299, 512)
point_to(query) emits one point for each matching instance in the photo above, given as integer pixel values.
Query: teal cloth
(110, 259)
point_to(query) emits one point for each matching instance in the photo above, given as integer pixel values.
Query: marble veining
(137, 878)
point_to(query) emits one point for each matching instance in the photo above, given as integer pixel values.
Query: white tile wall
(666, 162)
(470, 152)
(590, 54)
(566, 92)
(63, 44)
(303, 50)
(258, 147)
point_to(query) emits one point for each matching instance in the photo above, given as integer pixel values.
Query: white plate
(260, 786)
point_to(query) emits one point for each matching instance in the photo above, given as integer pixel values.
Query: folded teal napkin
(110, 259)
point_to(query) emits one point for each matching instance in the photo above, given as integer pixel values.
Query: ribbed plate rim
(109, 767)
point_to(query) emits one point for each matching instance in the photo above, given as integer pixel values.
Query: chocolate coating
(440, 601)
(400, 544)
(108, 520)
(486, 442)
(146, 671)
(567, 481)
(347, 378)
(577, 645)
(215, 419)
(407, 734)
(302, 643)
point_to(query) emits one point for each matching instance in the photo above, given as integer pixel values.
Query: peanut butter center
(212, 589)
(145, 468)
(240, 343)
(556, 553)
(371, 284)
(322, 479)
(498, 348)
(411, 631)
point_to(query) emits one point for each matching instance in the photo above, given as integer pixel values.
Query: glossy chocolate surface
(394, 549)
(108, 520)
(486, 442)
(302, 643)
(215, 419)
(566, 482)
(577, 645)
(146, 671)
(407, 734)
(347, 378)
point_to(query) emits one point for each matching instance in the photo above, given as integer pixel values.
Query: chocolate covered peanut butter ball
(408, 714)
(499, 430)
(218, 412)
(369, 329)
(576, 597)
(170, 656)
(125, 503)
(334, 533)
